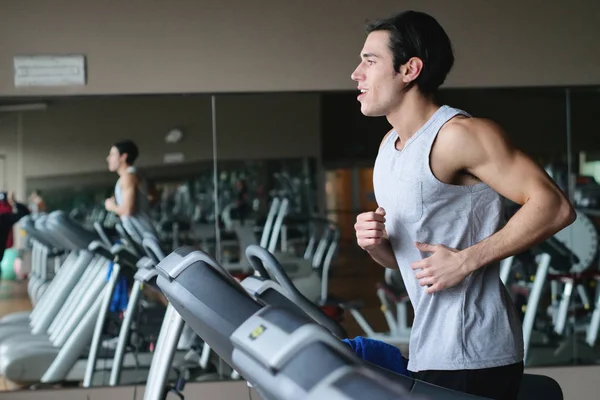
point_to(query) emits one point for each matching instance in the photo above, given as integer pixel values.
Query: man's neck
(123, 170)
(411, 114)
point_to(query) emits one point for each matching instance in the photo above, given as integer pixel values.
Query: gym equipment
(42, 314)
(564, 260)
(553, 254)
(312, 275)
(129, 255)
(121, 257)
(59, 324)
(174, 336)
(72, 268)
(284, 293)
(145, 275)
(393, 297)
(244, 234)
(310, 272)
(539, 387)
(166, 344)
(42, 250)
(581, 238)
(271, 347)
(50, 349)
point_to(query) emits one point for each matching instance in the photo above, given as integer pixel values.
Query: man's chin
(364, 110)
(369, 112)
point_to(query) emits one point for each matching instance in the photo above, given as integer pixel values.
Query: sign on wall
(48, 70)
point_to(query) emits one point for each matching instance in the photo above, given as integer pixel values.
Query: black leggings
(499, 383)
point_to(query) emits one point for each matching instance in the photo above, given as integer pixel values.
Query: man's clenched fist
(370, 229)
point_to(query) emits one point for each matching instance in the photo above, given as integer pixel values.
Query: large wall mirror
(289, 172)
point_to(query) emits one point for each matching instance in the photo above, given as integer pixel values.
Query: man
(130, 201)
(439, 179)
(36, 202)
(12, 212)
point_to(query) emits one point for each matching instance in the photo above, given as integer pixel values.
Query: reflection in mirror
(288, 171)
(267, 147)
(246, 192)
(267, 175)
(97, 313)
(579, 293)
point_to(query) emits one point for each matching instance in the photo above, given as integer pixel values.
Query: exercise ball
(7, 265)
(18, 268)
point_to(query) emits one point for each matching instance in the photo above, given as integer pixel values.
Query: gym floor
(13, 298)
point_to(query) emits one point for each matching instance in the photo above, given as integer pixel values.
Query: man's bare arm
(484, 151)
(128, 185)
(372, 236)
(381, 251)
(384, 255)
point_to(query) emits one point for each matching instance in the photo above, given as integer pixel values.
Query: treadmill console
(286, 356)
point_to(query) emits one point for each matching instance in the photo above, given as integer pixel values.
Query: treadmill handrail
(103, 236)
(98, 247)
(152, 247)
(124, 255)
(145, 263)
(261, 259)
(29, 227)
(71, 233)
(127, 237)
(189, 256)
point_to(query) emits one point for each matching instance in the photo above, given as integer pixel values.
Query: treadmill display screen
(284, 321)
(312, 364)
(358, 386)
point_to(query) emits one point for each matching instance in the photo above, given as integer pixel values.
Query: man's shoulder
(385, 137)
(462, 131)
(128, 179)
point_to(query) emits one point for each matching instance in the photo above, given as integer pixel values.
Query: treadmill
(56, 334)
(271, 347)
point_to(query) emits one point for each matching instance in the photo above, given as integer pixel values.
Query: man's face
(114, 159)
(380, 86)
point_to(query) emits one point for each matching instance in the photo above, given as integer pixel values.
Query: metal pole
(218, 251)
(571, 181)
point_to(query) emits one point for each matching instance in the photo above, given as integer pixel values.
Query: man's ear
(411, 69)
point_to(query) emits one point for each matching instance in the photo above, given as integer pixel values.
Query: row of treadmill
(187, 318)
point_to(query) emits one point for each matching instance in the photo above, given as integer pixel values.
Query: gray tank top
(139, 223)
(475, 324)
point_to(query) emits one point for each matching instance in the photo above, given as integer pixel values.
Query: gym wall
(9, 125)
(268, 45)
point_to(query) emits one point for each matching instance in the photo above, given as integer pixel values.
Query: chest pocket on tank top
(409, 201)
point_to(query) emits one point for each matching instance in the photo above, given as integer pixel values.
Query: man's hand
(110, 204)
(11, 198)
(370, 229)
(372, 237)
(444, 269)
